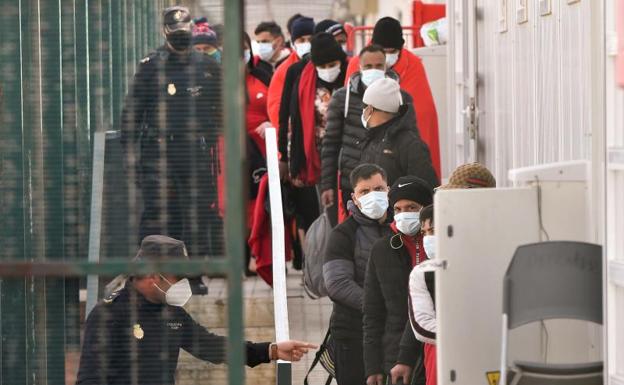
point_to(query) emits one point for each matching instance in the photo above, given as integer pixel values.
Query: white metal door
(463, 79)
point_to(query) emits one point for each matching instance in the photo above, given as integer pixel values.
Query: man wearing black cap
(390, 348)
(335, 29)
(170, 123)
(308, 88)
(135, 335)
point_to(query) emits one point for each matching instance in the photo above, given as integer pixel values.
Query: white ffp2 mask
(178, 293)
(329, 75)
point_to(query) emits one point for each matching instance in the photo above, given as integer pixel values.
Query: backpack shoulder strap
(317, 359)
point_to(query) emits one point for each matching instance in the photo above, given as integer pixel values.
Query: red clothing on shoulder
(256, 113)
(277, 86)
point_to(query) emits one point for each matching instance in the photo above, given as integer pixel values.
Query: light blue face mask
(430, 246)
(408, 223)
(370, 75)
(215, 55)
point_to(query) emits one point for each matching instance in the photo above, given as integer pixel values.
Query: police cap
(177, 18)
(161, 247)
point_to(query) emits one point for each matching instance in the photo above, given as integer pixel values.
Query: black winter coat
(399, 150)
(341, 148)
(126, 323)
(291, 147)
(344, 269)
(388, 336)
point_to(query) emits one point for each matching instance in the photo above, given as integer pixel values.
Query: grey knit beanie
(384, 94)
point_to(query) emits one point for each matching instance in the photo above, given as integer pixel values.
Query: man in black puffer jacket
(390, 348)
(344, 269)
(391, 142)
(341, 149)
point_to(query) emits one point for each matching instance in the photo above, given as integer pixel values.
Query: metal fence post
(51, 170)
(235, 163)
(12, 192)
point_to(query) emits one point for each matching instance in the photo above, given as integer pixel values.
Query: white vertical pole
(280, 299)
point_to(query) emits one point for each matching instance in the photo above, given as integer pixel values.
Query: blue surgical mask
(408, 223)
(265, 51)
(303, 49)
(429, 243)
(374, 204)
(370, 75)
(246, 56)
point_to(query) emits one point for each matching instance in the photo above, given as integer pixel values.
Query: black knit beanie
(412, 188)
(330, 26)
(303, 26)
(325, 49)
(388, 33)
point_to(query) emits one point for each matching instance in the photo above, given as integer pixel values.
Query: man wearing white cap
(392, 141)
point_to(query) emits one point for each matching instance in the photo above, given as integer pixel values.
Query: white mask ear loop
(158, 287)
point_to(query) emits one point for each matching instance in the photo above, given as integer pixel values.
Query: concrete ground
(308, 321)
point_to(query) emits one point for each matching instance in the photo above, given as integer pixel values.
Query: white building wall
(534, 85)
(614, 244)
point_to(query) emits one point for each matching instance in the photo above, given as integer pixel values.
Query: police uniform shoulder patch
(112, 296)
(151, 56)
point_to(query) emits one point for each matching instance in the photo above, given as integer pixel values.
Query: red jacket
(277, 86)
(257, 96)
(413, 79)
(260, 240)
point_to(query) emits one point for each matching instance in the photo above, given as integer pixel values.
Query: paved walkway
(308, 321)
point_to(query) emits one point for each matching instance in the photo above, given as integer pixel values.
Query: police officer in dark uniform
(170, 127)
(134, 336)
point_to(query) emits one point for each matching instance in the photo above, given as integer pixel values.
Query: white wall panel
(523, 93)
(547, 85)
(575, 80)
(535, 85)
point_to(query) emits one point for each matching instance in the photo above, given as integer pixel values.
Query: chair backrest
(551, 280)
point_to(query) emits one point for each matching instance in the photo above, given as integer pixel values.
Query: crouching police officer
(134, 336)
(169, 131)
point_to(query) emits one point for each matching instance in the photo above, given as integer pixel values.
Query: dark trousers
(349, 361)
(306, 204)
(180, 198)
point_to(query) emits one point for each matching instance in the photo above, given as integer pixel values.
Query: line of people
(357, 137)
(378, 276)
